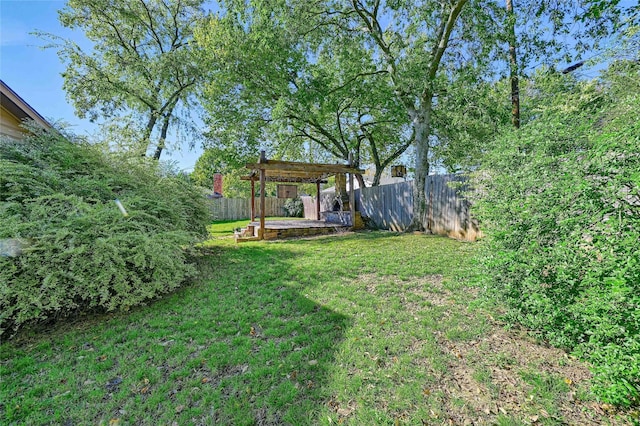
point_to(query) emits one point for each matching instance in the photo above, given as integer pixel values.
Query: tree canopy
(141, 63)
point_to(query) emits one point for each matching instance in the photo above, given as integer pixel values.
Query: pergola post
(253, 200)
(352, 201)
(263, 175)
(318, 200)
(352, 195)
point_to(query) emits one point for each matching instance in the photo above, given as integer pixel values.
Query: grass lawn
(370, 328)
(225, 228)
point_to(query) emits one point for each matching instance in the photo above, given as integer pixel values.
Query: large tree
(141, 62)
(427, 48)
(410, 42)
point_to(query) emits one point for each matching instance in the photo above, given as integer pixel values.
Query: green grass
(225, 228)
(355, 329)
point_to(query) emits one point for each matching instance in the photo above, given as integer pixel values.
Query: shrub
(560, 203)
(293, 207)
(82, 252)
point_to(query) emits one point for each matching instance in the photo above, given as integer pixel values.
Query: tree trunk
(513, 67)
(163, 137)
(422, 126)
(146, 136)
(377, 176)
(360, 180)
(165, 127)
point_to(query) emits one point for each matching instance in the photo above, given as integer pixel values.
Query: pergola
(294, 172)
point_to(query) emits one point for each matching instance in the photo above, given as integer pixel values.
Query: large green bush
(81, 252)
(559, 201)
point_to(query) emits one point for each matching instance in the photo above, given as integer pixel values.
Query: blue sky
(34, 73)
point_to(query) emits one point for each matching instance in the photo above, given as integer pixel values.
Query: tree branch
(443, 40)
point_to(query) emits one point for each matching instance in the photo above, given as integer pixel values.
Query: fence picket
(240, 208)
(391, 207)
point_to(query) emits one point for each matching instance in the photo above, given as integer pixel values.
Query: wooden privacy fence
(309, 203)
(388, 206)
(447, 213)
(240, 208)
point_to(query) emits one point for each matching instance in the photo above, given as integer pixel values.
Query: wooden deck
(280, 229)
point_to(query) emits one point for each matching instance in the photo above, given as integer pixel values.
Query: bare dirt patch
(508, 374)
(497, 376)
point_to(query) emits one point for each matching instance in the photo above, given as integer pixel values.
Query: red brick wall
(217, 183)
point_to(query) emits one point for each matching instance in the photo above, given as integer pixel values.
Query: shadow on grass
(239, 346)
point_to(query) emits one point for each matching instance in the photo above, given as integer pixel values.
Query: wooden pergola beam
(285, 179)
(284, 166)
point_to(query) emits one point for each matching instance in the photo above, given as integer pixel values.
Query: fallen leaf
(568, 381)
(101, 358)
(607, 407)
(144, 389)
(114, 422)
(344, 411)
(205, 380)
(426, 392)
(179, 409)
